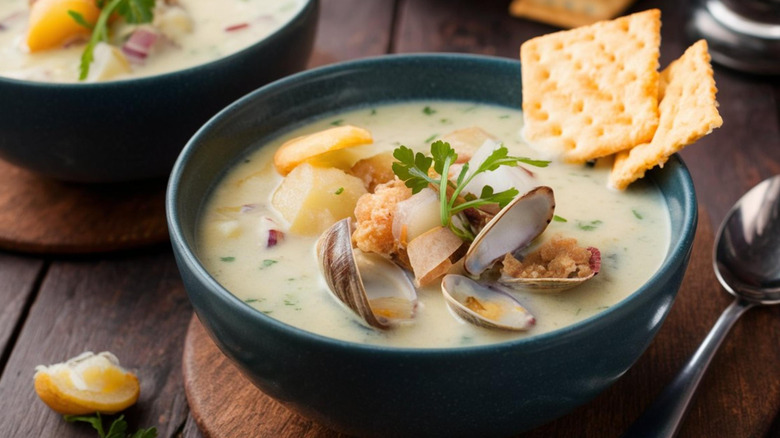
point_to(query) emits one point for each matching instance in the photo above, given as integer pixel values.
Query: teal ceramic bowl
(134, 129)
(364, 390)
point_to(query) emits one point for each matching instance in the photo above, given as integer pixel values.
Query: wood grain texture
(350, 29)
(39, 215)
(483, 27)
(132, 305)
(18, 275)
(224, 403)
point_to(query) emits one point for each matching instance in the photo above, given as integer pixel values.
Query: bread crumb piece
(558, 258)
(374, 213)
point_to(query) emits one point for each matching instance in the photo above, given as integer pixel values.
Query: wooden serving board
(45, 216)
(225, 404)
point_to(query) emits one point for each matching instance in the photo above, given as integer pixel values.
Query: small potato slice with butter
(326, 148)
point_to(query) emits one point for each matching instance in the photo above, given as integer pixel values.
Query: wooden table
(133, 303)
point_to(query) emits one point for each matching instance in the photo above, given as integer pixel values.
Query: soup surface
(191, 32)
(631, 229)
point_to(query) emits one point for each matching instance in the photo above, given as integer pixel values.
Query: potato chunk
(51, 26)
(374, 170)
(313, 198)
(329, 148)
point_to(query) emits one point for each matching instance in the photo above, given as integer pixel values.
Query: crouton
(374, 213)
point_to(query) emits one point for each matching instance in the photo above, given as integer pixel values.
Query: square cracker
(568, 13)
(592, 91)
(688, 110)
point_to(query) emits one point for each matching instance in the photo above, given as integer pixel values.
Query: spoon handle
(664, 416)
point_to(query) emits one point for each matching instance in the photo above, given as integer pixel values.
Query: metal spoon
(747, 263)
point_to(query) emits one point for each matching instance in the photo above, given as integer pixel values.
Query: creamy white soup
(183, 33)
(630, 228)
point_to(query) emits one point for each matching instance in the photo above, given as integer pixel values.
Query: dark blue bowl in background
(493, 390)
(134, 129)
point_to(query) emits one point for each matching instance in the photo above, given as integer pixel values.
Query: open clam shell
(553, 285)
(484, 307)
(513, 228)
(376, 289)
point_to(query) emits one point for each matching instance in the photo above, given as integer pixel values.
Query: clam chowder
(44, 41)
(251, 244)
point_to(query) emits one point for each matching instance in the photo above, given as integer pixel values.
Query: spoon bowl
(747, 254)
(747, 263)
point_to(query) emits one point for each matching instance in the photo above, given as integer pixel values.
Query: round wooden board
(225, 404)
(40, 215)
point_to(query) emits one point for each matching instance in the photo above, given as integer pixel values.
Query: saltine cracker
(592, 91)
(688, 111)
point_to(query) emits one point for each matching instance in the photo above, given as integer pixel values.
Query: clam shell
(498, 310)
(553, 285)
(513, 228)
(385, 298)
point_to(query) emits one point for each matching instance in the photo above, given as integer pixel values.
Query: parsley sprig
(118, 428)
(414, 169)
(132, 11)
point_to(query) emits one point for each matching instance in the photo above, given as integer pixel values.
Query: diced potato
(323, 148)
(374, 170)
(466, 141)
(431, 254)
(109, 62)
(173, 21)
(51, 26)
(313, 198)
(229, 229)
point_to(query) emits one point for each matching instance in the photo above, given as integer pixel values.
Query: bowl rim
(679, 247)
(307, 7)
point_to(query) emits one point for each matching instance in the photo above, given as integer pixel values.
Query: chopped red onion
(270, 233)
(595, 259)
(274, 237)
(236, 27)
(138, 46)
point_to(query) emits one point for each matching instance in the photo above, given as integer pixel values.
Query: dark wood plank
(18, 275)
(350, 29)
(132, 305)
(484, 27)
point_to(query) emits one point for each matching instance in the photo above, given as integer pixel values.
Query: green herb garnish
(431, 138)
(338, 122)
(228, 259)
(269, 262)
(637, 214)
(589, 226)
(339, 191)
(557, 218)
(413, 170)
(133, 12)
(428, 111)
(118, 428)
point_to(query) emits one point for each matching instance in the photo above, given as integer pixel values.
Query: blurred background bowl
(365, 390)
(134, 129)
